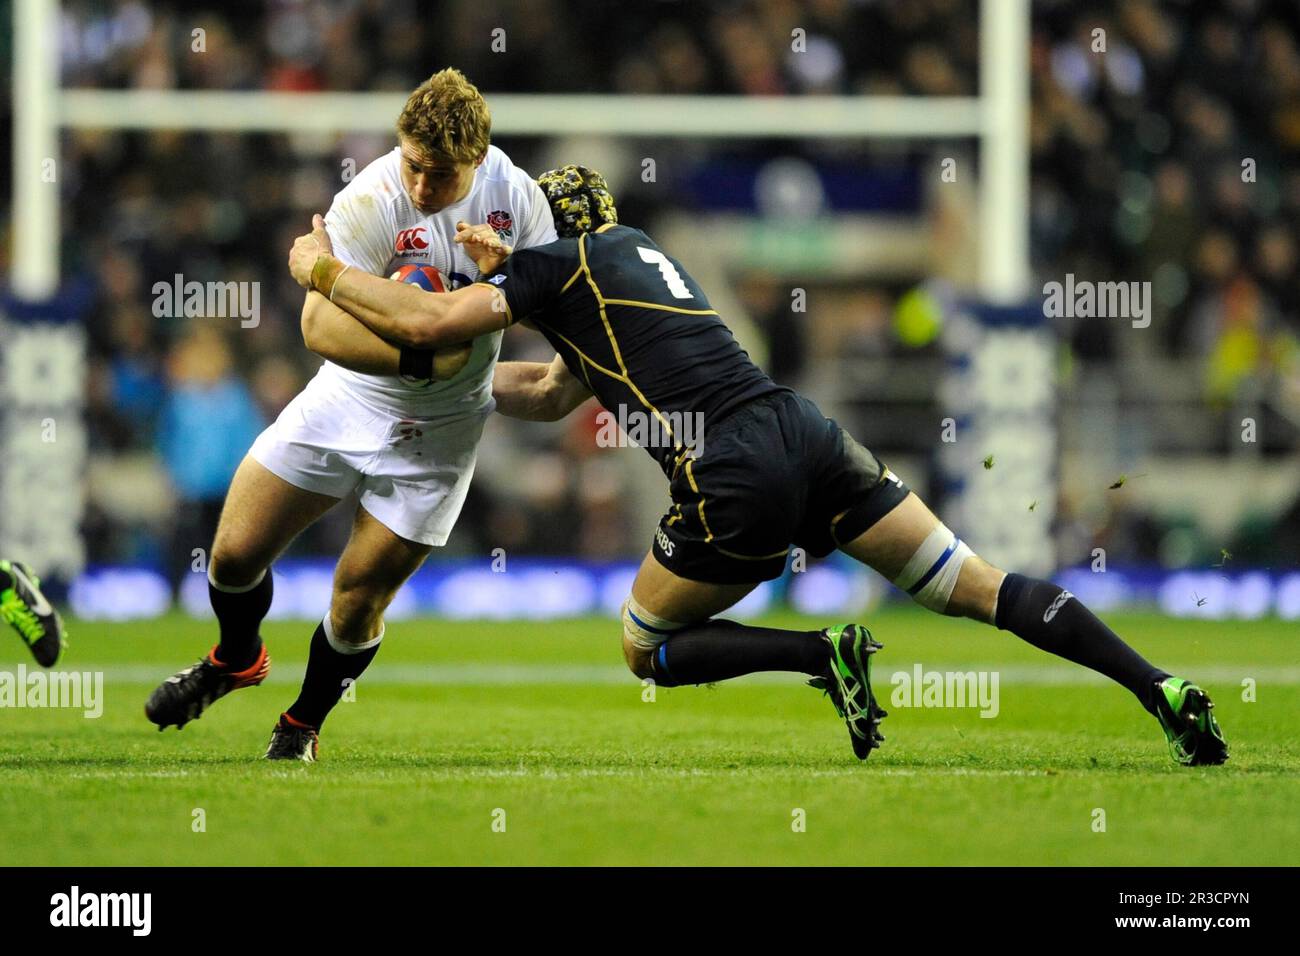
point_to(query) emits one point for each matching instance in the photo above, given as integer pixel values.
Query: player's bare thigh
(889, 544)
(374, 564)
(677, 599)
(261, 515)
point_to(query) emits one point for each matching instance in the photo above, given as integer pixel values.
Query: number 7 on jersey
(666, 269)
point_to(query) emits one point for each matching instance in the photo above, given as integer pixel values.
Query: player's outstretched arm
(537, 391)
(342, 339)
(395, 311)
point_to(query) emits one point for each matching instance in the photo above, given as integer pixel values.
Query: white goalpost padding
(1004, 150)
(998, 118)
(36, 148)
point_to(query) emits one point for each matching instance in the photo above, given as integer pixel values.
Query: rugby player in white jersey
(400, 427)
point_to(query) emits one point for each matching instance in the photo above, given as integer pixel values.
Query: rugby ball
(426, 277)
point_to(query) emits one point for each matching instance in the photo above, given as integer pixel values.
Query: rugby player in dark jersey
(768, 471)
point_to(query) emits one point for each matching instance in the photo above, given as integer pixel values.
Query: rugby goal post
(997, 119)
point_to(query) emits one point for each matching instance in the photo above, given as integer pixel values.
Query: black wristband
(416, 366)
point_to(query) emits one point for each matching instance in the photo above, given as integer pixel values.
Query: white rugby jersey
(373, 226)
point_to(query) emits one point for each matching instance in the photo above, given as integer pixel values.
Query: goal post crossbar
(693, 117)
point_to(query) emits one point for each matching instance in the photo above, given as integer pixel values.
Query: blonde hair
(447, 116)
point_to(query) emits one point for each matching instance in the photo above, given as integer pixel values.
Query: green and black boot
(24, 606)
(847, 682)
(1186, 715)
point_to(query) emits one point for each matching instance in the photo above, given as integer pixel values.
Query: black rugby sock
(1054, 620)
(323, 684)
(239, 614)
(718, 650)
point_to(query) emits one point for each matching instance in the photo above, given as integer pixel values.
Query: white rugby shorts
(412, 474)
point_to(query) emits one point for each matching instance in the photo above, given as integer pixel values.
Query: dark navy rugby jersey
(633, 325)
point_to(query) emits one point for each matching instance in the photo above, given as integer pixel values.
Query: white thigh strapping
(932, 572)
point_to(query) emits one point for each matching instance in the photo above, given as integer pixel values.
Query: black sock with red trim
(239, 615)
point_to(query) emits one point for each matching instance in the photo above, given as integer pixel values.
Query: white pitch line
(649, 774)
(496, 675)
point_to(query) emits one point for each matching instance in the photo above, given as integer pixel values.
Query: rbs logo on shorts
(665, 543)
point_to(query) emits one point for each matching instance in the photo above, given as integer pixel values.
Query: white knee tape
(647, 631)
(932, 572)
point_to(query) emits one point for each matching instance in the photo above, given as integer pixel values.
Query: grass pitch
(459, 726)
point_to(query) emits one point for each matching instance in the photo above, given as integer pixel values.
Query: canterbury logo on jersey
(408, 240)
(1056, 606)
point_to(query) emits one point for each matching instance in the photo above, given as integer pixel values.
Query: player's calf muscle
(365, 583)
(976, 593)
(373, 566)
(357, 612)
